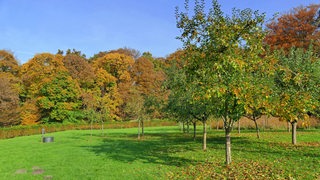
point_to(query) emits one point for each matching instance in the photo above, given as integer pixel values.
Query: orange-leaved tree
(297, 28)
(9, 99)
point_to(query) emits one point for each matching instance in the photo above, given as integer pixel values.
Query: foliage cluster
(68, 88)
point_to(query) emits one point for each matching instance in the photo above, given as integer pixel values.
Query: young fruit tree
(185, 103)
(297, 81)
(220, 53)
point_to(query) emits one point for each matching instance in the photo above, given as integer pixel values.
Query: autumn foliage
(297, 28)
(68, 87)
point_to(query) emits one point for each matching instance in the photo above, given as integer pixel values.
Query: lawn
(164, 153)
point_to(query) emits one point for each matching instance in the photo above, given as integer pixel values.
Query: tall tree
(297, 81)
(53, 93)
(9, 99)
(220, 51)
(59, 100)
(146, 78)
(297, 28)
(8, 63)
(118, 65)
(80, 69)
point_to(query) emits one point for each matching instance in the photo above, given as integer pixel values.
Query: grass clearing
(164, 153)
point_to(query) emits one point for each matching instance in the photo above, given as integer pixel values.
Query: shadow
(152, 148)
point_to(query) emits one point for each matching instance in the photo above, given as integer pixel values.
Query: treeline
(68, 87)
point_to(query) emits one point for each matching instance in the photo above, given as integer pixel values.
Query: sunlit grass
(164, 153)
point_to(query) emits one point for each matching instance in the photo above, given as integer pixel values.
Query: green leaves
(59, 99)
(297, 83)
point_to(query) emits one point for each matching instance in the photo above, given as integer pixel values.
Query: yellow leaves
(103, 77)
(30, 113)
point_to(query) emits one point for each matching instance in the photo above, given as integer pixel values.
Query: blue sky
(35, 26)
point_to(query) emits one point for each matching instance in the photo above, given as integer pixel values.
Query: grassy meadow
(164, 153)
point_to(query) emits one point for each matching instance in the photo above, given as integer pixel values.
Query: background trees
(9, 100)
(297, 28)
(10, 87)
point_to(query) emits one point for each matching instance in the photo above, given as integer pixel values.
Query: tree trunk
(239, 126)
(257, 128)
(194, 130)
(204, 147)
(183, 128)
(288, 126)
(217, 125)
(294, 132)
(102, 129)
(228, 145)
(142, 127)
(139, 129)
(91, 125)
(188, 127)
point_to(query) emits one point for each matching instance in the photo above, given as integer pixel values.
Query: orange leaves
(294, 29)
(8, 63)
(30, 113)
(104, 78)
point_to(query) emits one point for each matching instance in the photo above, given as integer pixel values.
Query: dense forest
(124, 84)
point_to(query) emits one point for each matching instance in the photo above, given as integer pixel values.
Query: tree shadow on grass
(154, 148)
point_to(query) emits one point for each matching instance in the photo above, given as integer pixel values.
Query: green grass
(164, 153)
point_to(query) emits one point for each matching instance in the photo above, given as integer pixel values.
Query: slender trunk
(91, 127)
(102, 129)
(188, 127)
(142, 127)
(239, 126)
(194, 130)
(288, 126)
(217, 125)
(228, 145)
(257, 128)
(204, 147)
(139, 129)
(265, 122)
(101, 121)
(183, 128)
(294, 132)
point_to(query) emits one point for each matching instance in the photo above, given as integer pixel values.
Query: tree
(118, 65)
(220, 51)
(8, 63)
(135, 54)
(297, 81)
(259, 97)
(106, 94)
(79, 69)
(186, 102)
(134, 108)
(9, 99)
(49, 92)
(296, 28)
(59, 100)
